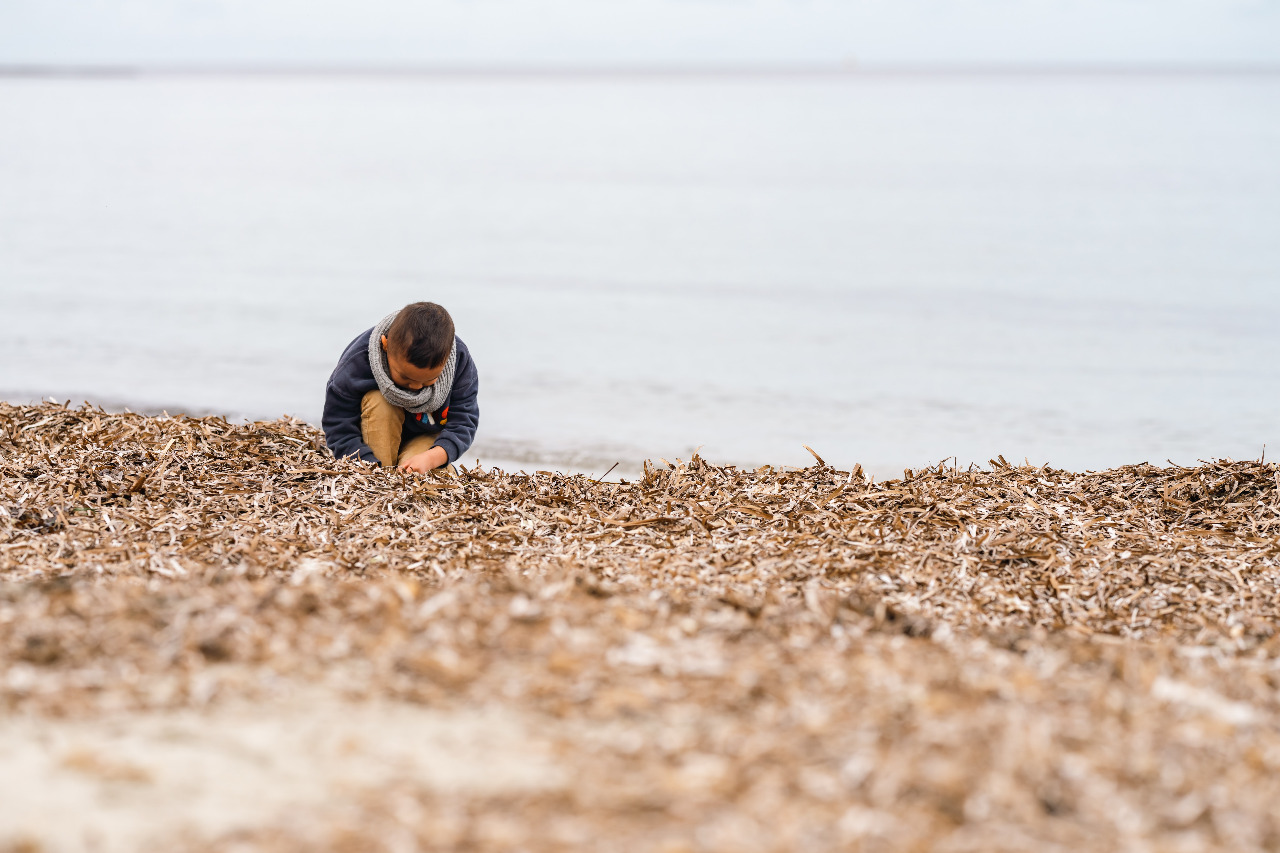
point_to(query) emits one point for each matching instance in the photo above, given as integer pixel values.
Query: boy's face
(406, 375)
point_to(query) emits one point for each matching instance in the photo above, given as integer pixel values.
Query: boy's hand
(424, 462)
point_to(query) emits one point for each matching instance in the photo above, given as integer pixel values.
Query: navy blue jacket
(353, 378)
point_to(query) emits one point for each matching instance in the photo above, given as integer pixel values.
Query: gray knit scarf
(431, 398)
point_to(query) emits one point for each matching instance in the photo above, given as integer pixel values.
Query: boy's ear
(384, 343)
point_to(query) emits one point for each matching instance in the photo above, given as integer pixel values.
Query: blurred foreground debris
(715, 659)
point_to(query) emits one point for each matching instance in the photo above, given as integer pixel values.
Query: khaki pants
(382, 426)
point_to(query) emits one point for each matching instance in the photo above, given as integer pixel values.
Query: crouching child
(404, 393)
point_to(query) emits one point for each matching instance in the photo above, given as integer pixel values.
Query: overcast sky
(639, 32)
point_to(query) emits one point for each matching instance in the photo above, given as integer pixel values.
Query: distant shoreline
(847, 70)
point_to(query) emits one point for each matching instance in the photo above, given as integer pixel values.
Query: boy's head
(418, 345)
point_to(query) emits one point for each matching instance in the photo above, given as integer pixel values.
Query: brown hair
(422, 333)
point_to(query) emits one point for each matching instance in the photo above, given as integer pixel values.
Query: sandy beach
(213, 636)
(841, 426)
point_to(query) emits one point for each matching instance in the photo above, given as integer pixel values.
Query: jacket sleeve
(464, 414)
(341, 424)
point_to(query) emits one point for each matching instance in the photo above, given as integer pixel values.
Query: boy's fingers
(414, 464)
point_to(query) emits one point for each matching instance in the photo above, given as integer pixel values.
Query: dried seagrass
(1013, 658)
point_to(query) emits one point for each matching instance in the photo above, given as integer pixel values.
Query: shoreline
(856, 71)
(502, 453)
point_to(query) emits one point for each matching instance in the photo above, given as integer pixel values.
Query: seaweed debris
(1010, 658)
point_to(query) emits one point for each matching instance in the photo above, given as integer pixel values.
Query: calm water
(893, 270)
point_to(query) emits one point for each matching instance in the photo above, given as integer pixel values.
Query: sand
(213, 637)
(126, 781)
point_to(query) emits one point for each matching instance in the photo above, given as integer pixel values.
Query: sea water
(1082, 270)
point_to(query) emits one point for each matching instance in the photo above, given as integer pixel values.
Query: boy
(404, 393)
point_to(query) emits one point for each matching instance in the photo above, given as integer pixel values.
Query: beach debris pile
(1013, 658)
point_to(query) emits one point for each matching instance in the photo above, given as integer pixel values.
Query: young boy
(404, 393)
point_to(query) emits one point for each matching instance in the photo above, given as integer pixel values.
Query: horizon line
(850, 69)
